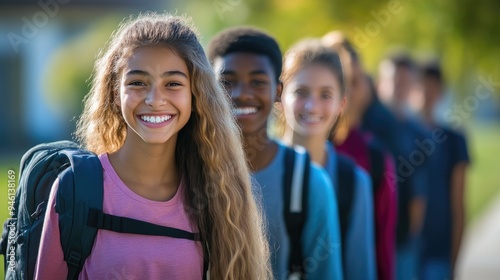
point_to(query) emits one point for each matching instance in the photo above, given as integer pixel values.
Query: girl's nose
(155, 98)
(309, 105)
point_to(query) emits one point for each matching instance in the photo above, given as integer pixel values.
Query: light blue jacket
(321, 233)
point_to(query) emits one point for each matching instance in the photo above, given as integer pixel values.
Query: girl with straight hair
(312, 101)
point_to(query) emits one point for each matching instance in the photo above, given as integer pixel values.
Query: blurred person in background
(392, 121)
(445, 216)
(367, 151)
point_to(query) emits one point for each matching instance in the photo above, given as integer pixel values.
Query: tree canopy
(462, 34)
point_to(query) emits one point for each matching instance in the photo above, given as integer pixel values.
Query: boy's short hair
(432, 69)
(246, 39)
(402, 59)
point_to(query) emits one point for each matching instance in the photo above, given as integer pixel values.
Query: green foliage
(67, 81)
(461, 33)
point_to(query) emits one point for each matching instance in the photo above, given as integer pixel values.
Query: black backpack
(296, 188)
(345, 197)
(78, 203)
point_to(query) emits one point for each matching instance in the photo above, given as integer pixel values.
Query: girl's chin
(309, 133)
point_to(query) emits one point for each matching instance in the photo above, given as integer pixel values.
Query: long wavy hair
(209, 153)
(300, 55)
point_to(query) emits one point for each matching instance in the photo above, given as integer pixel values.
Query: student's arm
(360, 235)
(418, 202)
(461, 162)
(417, 213)
(50, 263)
(457, 208)
(321, 233)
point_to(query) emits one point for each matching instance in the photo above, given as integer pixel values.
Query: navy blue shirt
(436, 232)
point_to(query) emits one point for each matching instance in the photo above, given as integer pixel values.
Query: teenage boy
(445, 216)
(397, 80)
(249, 62)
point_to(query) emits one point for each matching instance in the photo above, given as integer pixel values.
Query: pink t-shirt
(122, 255)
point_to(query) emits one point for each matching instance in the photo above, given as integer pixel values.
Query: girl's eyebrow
(297, 85)
(174, 72)
(166, 73)
(328, 87)
(321, 87)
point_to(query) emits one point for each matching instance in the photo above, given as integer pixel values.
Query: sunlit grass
(483, 182)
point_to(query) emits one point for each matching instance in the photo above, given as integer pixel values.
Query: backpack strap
(98, 219)
(80, 189)
(80, 200)
(296, 184)
(206, 265)
(345, 196)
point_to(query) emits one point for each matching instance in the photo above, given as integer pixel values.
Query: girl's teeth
(155, 119)
(244, 111)
(312, 119)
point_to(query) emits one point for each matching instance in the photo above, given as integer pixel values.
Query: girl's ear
(343, 105)
(278, 106)
(279, 91)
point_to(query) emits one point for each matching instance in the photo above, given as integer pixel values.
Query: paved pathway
(480, 256)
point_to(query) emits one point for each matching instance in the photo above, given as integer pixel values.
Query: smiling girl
(313, 98)
(155, 115)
